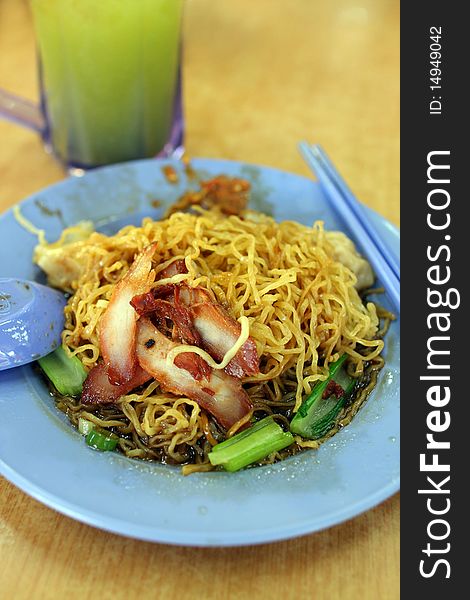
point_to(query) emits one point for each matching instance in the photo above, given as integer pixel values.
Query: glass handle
(21, 111)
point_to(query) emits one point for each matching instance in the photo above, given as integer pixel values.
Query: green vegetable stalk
(66, 373)
(251, 445)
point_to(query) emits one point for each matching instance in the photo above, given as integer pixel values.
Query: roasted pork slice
(218, 393)
(219, 332)
(177, 267)
(97, 389)
(162, 311)
(118, 324)
(199, 321)
(189, 296)
(194, 364)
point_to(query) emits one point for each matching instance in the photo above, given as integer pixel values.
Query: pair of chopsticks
(384, 262)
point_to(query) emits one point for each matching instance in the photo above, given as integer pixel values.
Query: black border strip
(435, 246)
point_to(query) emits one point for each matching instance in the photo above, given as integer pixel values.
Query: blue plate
(44, 456)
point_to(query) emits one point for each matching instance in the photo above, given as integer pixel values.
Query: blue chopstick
(357, 208)
(384, 262)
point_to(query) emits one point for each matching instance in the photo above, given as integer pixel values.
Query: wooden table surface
(259, 76)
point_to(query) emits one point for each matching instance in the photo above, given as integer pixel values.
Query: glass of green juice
(110, 80)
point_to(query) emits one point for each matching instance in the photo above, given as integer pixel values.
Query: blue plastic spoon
(31, 321)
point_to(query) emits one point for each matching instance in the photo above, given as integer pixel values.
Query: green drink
(109, 77)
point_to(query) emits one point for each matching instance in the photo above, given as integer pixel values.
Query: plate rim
(198, 539)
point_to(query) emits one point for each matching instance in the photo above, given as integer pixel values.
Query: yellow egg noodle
(281, 281)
